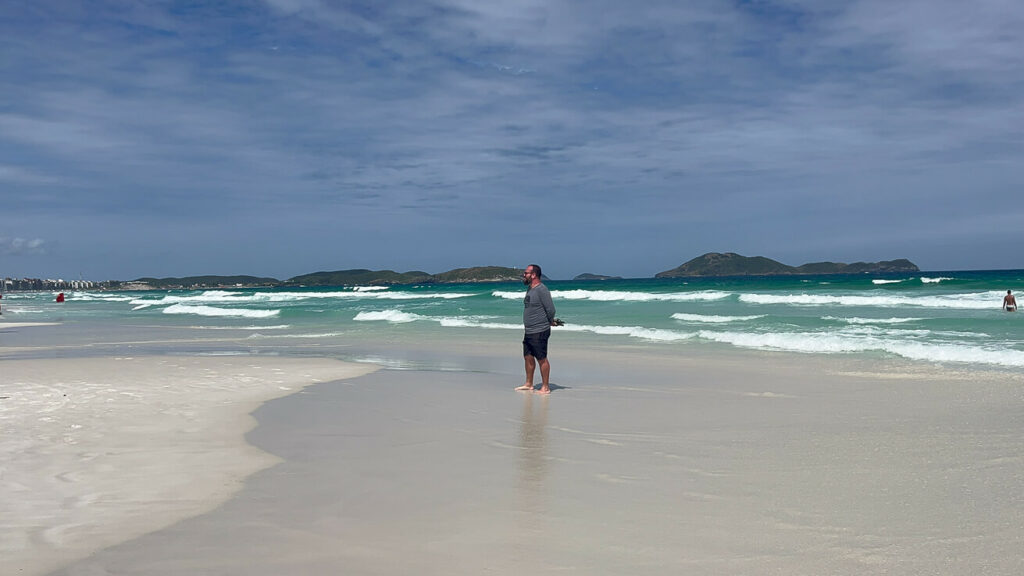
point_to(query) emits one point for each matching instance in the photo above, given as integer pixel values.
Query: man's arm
(549, 306)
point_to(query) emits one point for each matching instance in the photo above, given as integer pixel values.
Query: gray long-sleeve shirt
(538, 310)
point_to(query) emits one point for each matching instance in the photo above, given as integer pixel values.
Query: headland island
(712, 264)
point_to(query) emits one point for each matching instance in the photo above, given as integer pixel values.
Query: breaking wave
(226, 297)
(872, 320)
(971, 301)
(712, 319)
(622, 296)
(219, 312)
(398, 317)
(395, 316)
(831, 343)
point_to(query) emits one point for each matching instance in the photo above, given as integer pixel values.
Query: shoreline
(635, 464)
(100, 450)
(731, 438)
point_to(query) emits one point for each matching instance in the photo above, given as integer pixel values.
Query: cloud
(452, 117)
(22, 175)
(21, 246)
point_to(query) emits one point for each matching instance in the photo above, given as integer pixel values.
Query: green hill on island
(205, 282)
(732, 264)
(383, 277)
(589, 276)
(885, 267)
(479, 274)
(353, 277)
(710, 264)
(359, 276)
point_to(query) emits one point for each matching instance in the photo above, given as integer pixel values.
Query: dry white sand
(637, 464)
(96, 451)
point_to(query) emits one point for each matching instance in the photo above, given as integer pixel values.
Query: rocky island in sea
(708, 265)
(588, 276)
(732, 264)
(353, 277)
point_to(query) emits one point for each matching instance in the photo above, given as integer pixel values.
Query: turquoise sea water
(938, 317)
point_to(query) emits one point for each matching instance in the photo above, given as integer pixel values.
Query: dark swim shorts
(536, 345)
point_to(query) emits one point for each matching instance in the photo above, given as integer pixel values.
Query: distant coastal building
(26, 284)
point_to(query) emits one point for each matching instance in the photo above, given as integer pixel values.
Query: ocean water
(935, 317)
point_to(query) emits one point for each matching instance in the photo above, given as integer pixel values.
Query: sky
(283, 137)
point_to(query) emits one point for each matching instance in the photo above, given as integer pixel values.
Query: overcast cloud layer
(289, 136)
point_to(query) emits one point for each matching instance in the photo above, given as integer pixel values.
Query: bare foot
(543, 390)
(525, 387)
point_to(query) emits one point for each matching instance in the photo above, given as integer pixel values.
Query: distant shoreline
(139, 287)
(186, 283)
(710, 265)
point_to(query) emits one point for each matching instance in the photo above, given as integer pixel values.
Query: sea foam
(258, 335)
(837, 342)
(394, 316)
(967, 301)
(856, 320)
(622, 296)
(640, 332)
(476, 322)
(219, 312)
(712, 319)
(99, 297)
(225, 297)
(277, 327)
(791, 342)
(401, 317)
(208, 297)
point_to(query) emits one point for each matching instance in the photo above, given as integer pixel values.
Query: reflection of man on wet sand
(1009, 302)
(533, 443)
(533, 465)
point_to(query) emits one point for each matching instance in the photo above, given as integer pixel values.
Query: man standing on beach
(538, 318)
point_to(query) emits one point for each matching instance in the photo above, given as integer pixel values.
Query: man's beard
(526, 281)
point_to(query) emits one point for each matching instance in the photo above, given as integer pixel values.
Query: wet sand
(638, 463)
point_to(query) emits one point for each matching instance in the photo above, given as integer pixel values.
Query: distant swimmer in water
(1009, 302)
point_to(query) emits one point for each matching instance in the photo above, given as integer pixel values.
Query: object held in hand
(557, 322)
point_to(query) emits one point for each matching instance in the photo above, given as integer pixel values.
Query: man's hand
(557, 322)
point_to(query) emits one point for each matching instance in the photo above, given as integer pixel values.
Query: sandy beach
(639, 462)
(95, 451)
